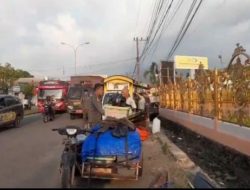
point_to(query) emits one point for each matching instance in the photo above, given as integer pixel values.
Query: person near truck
(84, 103)
(129, 100)
(95, 110)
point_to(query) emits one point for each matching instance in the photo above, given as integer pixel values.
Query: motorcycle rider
(50, 104)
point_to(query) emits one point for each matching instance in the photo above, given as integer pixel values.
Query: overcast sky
(31, 32)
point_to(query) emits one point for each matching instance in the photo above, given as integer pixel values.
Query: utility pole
(136, 39)
(74, 49)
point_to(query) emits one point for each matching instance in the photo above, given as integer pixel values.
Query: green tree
(8, 75)
(151, 74)
(28, 90)
(22, 74)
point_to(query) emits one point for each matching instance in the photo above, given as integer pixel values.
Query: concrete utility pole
(138, 56)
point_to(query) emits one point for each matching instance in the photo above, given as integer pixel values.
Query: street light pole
(74, 49)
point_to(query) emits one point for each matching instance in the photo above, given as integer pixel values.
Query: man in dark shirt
(95, 110)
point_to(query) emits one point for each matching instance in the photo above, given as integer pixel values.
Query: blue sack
(107, 145)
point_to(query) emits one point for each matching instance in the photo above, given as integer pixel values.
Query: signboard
(190, 62)
(16, 88)
(52, 83)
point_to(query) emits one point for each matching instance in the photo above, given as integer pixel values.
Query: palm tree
(152, 74)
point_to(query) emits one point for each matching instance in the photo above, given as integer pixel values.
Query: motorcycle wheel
(51, 118)
(72, 116)
(66, 177)
(45, 118)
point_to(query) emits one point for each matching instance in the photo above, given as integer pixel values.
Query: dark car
(11, 111)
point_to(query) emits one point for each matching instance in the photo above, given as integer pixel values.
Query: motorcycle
(48, 113)
(72, 165)
(71, 154)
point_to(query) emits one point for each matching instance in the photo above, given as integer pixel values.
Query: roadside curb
(33, 113)
(183, 161)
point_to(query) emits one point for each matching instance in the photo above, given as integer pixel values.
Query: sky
(31, 32)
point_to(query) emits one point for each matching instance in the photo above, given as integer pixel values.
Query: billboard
(190, 62)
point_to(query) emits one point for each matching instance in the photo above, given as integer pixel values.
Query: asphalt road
(30, 156)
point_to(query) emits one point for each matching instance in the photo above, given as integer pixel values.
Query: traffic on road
(124, 94)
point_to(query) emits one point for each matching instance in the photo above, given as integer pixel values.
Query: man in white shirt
(129, 100)
(142, 102)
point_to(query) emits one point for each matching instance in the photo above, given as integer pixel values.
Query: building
(166, 72)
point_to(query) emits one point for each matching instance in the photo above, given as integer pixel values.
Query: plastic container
(156, 128)
(117, 112)
(144, 133)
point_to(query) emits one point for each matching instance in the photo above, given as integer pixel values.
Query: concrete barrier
(231, 135)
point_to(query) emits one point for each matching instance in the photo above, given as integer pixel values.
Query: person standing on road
(95, 110)
(84, 103)
(141, 102)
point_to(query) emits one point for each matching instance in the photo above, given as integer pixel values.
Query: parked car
(11, 111)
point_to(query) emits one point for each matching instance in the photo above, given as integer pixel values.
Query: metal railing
(221, 94)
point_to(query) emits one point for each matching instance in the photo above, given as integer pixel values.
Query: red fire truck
(56, 89)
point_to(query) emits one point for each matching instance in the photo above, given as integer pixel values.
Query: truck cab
(76, 97)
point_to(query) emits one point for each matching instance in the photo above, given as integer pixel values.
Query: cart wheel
(140, 168)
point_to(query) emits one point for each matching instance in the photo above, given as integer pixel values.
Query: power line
(149, 23)
(184, 32)
(118, 64)
(155, 16)
(157, 30)
(165, 26)
(108, 63)
(184, 24)
(112, 62)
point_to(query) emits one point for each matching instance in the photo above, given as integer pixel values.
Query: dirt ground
(154, 160)
(227, 167)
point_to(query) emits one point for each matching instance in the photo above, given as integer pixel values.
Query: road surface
(30, 156)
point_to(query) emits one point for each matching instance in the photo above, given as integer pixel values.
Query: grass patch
(164, 148)
(32, 111)
(159, 140)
